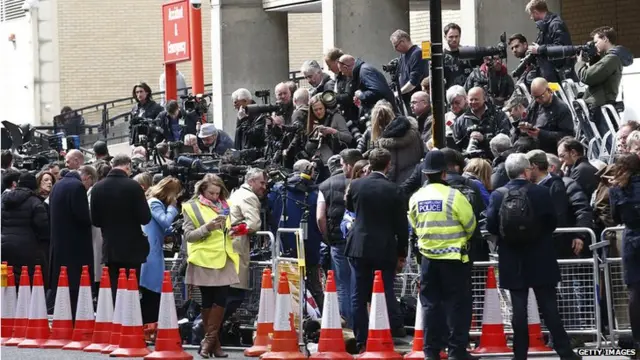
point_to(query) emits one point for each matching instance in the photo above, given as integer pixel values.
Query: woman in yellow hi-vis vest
(212, 263)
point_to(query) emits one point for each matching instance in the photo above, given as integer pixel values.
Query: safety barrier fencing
(616, 290)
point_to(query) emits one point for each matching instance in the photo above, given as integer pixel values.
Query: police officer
(443, 220)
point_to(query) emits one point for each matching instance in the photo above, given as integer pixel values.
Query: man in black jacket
(548, 118)
(369, 82)
(412, 68)
(319, 81)
(378, 237)
(329, 214)
(552, 31)
(571, 152)
(343, 86)
(119, 208)
(249, 128)
(172, 122)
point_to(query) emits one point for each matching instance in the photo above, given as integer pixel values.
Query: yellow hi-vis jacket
(443, 221)
(212, 251)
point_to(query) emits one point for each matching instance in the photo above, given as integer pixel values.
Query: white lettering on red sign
(177, 48)
(176, 13)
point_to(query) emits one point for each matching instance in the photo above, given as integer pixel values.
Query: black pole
(436, 69)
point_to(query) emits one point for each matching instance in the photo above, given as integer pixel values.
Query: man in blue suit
(531, 264)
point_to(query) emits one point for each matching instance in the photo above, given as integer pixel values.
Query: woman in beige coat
(212, 264)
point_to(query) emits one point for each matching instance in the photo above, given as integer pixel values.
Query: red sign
(175, 31)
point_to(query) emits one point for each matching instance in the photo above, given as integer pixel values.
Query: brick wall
(108, 46)
(582, 16)
(421, 26)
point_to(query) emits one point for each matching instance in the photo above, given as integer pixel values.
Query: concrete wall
(582, 16)
(270, 4)
(48, 84)
(108, 46)
(16, 72)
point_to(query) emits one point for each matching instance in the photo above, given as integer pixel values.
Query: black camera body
(588, 50)
(391, 67)
(197, 103)
(480, 52)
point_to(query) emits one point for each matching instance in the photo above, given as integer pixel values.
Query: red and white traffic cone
(493, 340)
(536, 340)
(379, 341)
(38, 326)
(131, 336)
(62, 326)
(168, 341)
(8, 306)
(22, 309)
(116, 325)
(417, 349)
(331, 345)
(266, 314)
(104, 315)
(284, 344)
(83, 327)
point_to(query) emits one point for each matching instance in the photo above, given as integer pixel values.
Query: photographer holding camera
(145, 107)
(492, 76)
(456, 70)
(369, 82)
(412, 68)
(604, 76)
(249, 127)
(552, 31)
(212, 140)
(319, 81)
(171, 121)
(344, 89)
(474, 129)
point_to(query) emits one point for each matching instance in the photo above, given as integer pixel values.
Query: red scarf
(219, 207)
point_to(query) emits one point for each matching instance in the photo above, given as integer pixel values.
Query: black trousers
(214, 295)
(114, 271)
(150, 304)
(445, 294)
(547, 302)
(314, 285)
(634, 311)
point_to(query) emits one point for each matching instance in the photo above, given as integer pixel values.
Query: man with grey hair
(249, 127)
(245, 208)
(119, 208)
(74, 159)
(319, 81)
(500, 148)
(412, 68)
(529, 263)
(284, 97)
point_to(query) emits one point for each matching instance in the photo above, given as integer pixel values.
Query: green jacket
(603, 77)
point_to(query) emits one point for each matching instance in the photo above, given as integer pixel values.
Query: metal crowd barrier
(577, 292)
(615, 290)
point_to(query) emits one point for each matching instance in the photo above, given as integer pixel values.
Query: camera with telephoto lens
(588, 50)
(480, 52)
(147, 133)
(195, 103)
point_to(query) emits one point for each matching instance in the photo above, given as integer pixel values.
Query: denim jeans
(342, 274)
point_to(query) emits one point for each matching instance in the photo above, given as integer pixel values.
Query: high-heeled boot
(205, 343)
(215, 324)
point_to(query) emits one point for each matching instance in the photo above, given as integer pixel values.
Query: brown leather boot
(205, 343)
(215, 324)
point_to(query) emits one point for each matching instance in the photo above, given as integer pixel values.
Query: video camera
(480, 52)
(197, 103)
(392, 67)
(147, 133)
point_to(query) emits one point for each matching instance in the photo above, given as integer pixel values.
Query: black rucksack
(467, 189)
(517, 220)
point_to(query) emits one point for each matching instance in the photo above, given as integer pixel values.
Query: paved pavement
(39, 354)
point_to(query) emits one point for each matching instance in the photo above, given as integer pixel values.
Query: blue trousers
(342, 272)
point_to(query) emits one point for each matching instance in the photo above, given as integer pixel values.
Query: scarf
(219, 207)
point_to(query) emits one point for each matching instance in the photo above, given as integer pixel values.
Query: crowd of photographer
(346, 160)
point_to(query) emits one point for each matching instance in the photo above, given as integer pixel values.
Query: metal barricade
(577, 293)
(615, 290)
(300, 261)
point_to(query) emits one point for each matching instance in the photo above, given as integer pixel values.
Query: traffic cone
(266, 313)
(331, 345)
(493, 339)
(62, 327)
(379, 342)
(116, 325)
(417, 349)
(22, 309)
(8, 306)
(168, 341)
(83, 327)
(536, 340)
(38, 326)
(284, 344)
(131, 336)
(104, 315)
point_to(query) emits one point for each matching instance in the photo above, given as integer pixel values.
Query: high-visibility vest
(444, 222)
(212, 251)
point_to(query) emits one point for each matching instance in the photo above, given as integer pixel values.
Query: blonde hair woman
(479, 171)
(144, 179)
(212, 264)
(162, 200)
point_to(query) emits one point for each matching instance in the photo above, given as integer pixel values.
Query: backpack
(467, 189)
(517, 220)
